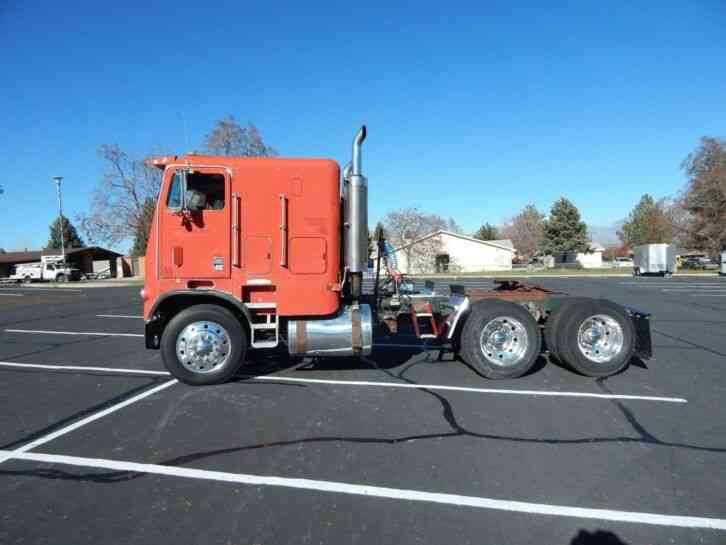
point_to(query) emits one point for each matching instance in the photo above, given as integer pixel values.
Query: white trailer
(49, 269)
(658, 259)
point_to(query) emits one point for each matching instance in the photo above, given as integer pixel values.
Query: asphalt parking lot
(100, 445)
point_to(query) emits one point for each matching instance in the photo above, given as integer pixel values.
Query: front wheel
(500, 339)
(203, 344)
(61, 278)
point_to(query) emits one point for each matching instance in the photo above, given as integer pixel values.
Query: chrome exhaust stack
(355, 195)
(355, 199)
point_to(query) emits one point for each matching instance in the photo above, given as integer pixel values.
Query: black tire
(61, 278)
(568, 329)
(204, 313)
(552, 325)
(27, 279)
(472, 351)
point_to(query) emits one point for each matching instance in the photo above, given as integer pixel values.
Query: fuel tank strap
(356, 339)
(301, 337)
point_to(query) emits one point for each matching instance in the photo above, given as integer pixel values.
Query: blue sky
(473, 110)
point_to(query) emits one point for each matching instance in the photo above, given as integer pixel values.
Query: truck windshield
(173, 200)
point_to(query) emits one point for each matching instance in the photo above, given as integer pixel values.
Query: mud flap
(643, 343)
(152, 334)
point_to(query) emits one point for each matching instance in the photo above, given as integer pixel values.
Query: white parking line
(716, 283)
(281, 378)
(707, 295)
(95, 416)
(46, 332)
(84, 368)
(378, 492)
(118, 316)
(12, 294)
(467, 389)
(705, 290)
(57, 290)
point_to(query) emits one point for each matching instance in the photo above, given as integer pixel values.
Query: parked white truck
(50, 269)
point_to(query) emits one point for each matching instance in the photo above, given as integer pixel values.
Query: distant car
(100, 275)
(699, 263)
(709, 265)
(690, 263)
(623, 262)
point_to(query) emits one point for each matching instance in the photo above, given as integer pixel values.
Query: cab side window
(206, 190)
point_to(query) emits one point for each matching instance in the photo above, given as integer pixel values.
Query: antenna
(186, 133)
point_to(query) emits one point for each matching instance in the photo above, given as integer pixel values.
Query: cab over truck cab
(250, 253)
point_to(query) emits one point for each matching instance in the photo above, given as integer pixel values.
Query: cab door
(195, 243)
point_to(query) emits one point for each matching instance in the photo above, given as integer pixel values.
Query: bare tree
(526, 231)
(454, 227)
(705, 196)
(406, 229)
(118, 203)
(229, 138)
(679, 219)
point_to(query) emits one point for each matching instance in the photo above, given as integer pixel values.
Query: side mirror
(191, 199)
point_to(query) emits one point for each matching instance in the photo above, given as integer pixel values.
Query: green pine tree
(487, 232)
(71, 238)
(564, 231)
(647, 223)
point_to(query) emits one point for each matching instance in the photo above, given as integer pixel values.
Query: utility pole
(60, 217)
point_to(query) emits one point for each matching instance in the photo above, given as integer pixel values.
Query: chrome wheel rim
(600, 338)
(203, 347)
(504, 341)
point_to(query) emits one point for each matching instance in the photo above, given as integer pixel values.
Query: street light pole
(60, 216)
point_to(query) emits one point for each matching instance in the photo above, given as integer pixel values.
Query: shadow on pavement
(598, 537)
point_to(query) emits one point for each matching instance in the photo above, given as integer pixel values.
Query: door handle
(235, 230)
(283, 230)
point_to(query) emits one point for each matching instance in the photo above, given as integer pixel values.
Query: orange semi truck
(254, 253)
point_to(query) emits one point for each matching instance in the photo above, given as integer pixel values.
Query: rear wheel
(204, 344)
(552, 325)
(27, 279)
(500, 339)
(596, 338)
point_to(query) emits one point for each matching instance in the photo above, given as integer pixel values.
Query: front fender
(154, 326)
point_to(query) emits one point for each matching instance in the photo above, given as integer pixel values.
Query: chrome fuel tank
(349, 333)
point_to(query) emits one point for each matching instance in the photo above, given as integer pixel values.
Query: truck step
(428, 320)
(264, 344)
(264, 326)
(261, 305)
